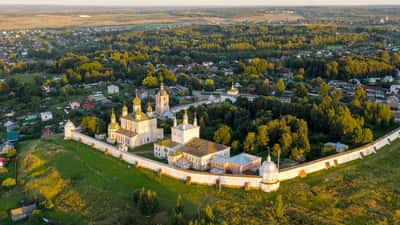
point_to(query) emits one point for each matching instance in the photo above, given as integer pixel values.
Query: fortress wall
(337, 159)
(238, 181)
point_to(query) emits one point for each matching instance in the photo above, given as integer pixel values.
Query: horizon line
(215, 5)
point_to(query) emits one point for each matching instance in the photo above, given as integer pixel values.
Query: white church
(186, 149)
(136, 128)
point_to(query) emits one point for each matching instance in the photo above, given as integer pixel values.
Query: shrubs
(9, 183)
(31, 162)
(3, 170)
(146, 200)
(48, 186)
(11, 152)
(178, 218)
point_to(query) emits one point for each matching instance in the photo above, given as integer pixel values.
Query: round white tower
(69, 128)
(270, 176)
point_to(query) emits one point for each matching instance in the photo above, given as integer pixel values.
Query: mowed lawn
(361, 192)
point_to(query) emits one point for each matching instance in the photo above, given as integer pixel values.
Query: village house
(4, 148)
(10, 125)
(88, 105)
(46, 116)
(112, 89)
(394, 88)
(393, 102)
(2, 162)
(74, 105)
(98, 97)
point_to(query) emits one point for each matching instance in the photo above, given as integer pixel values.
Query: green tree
(11, 152)
(361, 136)
(235, 146)
(223, 135)
(3, 88)
(146, 201)
(209, 214)
(332, 70)
(209, 85)
(178, 219)
(196, 83)
(35, 103)
(179, 205)
(249, 142)
(9, 182)
(324, 89)
(359, 98)
(91, 124)
(262, 137)
(150, 81)
(167, 76)
(280, 86)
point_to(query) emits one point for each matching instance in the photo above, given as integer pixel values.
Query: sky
(201, 2)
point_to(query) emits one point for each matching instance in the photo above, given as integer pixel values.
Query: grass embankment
(82, 185)
(85, 186)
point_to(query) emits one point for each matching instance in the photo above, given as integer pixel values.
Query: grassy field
(83, 186)
(19, 17)
(104, 184)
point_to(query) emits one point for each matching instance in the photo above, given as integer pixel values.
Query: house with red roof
(2, 162)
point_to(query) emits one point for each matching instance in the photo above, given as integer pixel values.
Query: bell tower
(162, 101)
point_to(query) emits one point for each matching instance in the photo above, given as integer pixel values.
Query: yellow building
(136, 128)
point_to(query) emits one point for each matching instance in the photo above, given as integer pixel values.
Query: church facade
(186, 149)
(136, 128)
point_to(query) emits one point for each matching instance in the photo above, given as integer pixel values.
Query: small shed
(22, 213)
(338, 146)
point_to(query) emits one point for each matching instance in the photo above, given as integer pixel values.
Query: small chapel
(134, 129)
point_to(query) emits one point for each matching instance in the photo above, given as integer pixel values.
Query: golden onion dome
(136, 100)
(163, 92)
(149, 108)
(113, 126)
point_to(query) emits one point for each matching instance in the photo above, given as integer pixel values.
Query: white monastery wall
(165, 169)
(337, 159)
(238, 181)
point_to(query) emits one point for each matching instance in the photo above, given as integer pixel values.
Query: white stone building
(46, 116)
(135, 129)
(75, 105)
(186, 149)
(162, 101)
(112, 89)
